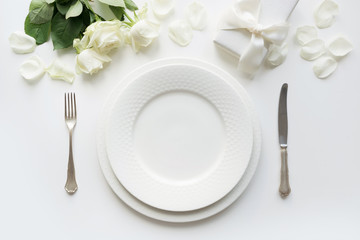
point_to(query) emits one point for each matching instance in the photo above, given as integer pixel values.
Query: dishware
(70, 120)
(284, 188)
(179, 138)
(169, 216)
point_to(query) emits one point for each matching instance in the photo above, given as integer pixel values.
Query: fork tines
(70, 105)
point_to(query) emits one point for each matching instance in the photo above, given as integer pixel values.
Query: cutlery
(70, 120)
(284, 188)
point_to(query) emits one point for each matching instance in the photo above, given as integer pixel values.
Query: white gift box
(272, 12)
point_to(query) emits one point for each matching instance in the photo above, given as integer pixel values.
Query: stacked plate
(178, 140)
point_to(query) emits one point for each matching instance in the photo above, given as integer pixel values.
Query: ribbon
(244, 14)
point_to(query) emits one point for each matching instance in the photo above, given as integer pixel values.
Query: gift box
(235, 41)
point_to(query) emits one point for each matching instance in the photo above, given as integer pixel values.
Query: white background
(324, 120)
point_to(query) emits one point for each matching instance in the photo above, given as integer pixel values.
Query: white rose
(89, 61)
(80, 45)
(142, 34)
(102, 36)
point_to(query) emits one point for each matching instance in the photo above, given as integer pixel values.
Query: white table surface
(324, 130)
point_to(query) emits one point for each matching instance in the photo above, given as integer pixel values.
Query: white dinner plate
(179, 137)
(169, 216)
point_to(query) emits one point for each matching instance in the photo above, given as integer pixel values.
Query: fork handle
(284, 188)
(71, 185)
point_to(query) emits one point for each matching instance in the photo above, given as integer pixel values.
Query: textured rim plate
(169, 216)
(179, 137)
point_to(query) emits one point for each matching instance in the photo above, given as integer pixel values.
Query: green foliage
(41, 12)
(62, 1)
(131, 5)
(115, 3)
(40, 32)
(66, 20)
(118, 12)
(75, 10)
(64, 31)
(63, 8)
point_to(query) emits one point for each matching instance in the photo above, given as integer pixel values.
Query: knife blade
(282, 117)
(284, 188)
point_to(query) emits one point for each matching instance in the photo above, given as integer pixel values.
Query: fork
(70, 120)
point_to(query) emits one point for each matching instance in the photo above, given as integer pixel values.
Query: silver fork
(70, 120)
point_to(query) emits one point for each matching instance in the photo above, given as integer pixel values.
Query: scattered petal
(162, 8)
(32, 69)
(325, 13)
(277, 54)
(21, 42)
(196, 14)
(89, 61)
(305, 34)
(340, 46)
(58, 71)
(324, 67)
(313, 49)
(180, 32)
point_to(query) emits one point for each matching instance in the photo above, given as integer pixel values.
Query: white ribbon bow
(244, 14)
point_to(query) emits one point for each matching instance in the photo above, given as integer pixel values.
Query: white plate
(168, 215)
(179, 137)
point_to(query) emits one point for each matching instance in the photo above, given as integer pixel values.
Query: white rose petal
(277, 54)
(180, 32)
(324, 67)
(21, 42)
(90, 62)
(143, 11)
(162, 8)
(340, 47)
(305, 34)
(59, 71)
(142, 34)
(196, 14)
(313, 49)
(32, 69)
(325, 13)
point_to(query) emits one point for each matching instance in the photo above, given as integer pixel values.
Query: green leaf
(92, 17)
(49, 1)
(118, 12)
(88, 18)
(63, 8)
(62, 1)
(116, 3)
(41, 32)
(75, 10)
(87, 4)
(64, 31)
(41, 13)
(36, 4)
(131, 5)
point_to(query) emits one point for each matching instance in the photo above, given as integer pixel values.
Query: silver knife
(284, 188)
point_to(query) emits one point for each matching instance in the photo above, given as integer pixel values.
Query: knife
(284, 188)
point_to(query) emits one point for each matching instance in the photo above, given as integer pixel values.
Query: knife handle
(284, 188)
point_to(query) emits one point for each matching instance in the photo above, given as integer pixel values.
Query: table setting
(167, 119)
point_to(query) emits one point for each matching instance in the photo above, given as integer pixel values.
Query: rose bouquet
(75, 23)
